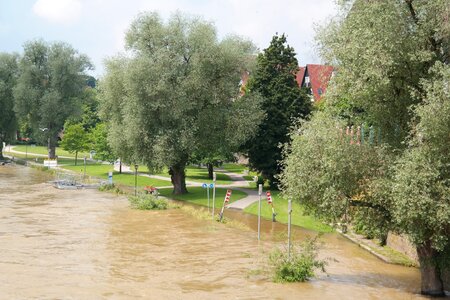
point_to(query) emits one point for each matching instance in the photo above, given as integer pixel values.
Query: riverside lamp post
(135, 179)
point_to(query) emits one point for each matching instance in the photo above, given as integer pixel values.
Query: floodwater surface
(85, 244)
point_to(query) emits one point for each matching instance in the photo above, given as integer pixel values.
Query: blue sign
(211, 185)
(204, 185)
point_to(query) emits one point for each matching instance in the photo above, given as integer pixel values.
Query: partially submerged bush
(110, 187)
(301, 265)
(147, 202)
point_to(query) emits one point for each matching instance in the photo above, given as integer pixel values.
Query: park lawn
(43, 150)
(197, 195)
(194, 174)
(201, 175)
(234, 168)
(101, 171)
(281, 207)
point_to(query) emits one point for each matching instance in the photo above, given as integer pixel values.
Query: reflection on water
(90, 245)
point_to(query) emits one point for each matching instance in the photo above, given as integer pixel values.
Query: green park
(198, 164)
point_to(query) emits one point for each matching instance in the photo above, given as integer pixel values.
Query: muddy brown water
(87, 244)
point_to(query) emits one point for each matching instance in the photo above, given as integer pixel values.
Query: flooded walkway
(65, 244)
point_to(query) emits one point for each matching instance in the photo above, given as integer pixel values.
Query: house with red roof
(316, 78)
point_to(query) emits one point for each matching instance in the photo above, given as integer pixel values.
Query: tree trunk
(210, 170)
(76, 157)
(178, 178)
(1, 150)
(120, 166)
(51, 146)
(429, 271)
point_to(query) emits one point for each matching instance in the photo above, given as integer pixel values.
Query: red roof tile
(300, 75)
(319, 77)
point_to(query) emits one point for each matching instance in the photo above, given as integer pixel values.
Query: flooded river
(90, 245)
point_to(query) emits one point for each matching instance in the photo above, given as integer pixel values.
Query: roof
(300, 75)
(319, 77)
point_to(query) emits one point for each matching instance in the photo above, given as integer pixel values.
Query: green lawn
(43, 150)
(101, 171)
(234, 168)
(197, 195)
(281, 207)
(193, 173)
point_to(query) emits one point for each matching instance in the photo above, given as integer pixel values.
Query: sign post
(206, 186)
(135, 179)
(84, 175)
(289, 228)
(214, 194)
(225, 201)
(110, 180)
(259, 211)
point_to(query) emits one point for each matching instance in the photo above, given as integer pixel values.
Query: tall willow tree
(8, 77)
(50, 88)
(393, 68)
(175, 94)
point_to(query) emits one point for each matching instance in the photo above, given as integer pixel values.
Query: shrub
(110, 187)
(147, 202)
(301, 265)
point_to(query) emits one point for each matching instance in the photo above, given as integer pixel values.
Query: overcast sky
(96, 27)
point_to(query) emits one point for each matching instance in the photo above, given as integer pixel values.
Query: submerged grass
(202, 214)
(281, 207)
(147, 202)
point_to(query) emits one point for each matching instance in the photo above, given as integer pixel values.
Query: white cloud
(58, 11)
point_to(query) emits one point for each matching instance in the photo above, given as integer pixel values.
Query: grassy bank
(281, 207)
(43, 150)
(197, 195)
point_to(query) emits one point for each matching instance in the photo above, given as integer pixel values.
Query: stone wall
(402, 244)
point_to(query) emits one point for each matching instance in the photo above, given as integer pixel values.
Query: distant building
(315, 77)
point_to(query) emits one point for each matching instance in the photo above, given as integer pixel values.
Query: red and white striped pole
(269, 201)
(225, 202)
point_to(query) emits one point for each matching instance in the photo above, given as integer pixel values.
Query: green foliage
(75, 139)
(283, 101)
(300, 266)
(110, 188)
(395, 45)
(421, 181)
(323, 171)
(50, 87)
(392, 58)
(147, 202)
(174, 96)
(8, 77)
(98, 141)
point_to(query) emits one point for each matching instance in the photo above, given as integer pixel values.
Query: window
(307, 82)
(320, 92)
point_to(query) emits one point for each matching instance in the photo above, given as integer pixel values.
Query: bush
(302, 264)
(110, 188)
(147, 202)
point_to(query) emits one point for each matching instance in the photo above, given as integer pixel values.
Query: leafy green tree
(75, 139)
(8, 77)
(50, 86)
(174, 93)
(393, 72)
(98, 141)
(283, 101)
(218, 144)
(420, 187)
